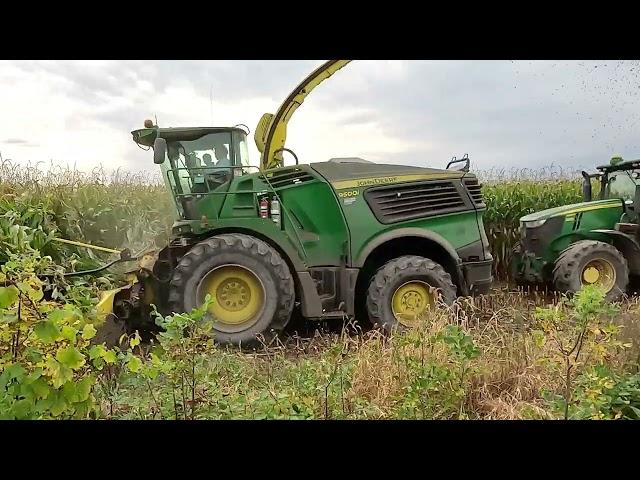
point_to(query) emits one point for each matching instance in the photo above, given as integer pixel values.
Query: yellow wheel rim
(410, 301)
(238, 296)
(599, 272)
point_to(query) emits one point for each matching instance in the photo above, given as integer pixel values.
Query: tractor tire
(396, 296)
(250, 284)
(591, 262)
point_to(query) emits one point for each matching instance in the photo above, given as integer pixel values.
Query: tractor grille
(397, 203)
(475, 190)
(287, 178)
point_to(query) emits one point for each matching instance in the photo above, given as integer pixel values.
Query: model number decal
(349, 194)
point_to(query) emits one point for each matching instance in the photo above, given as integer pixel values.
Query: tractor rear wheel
(405, 289)
(589, 262)
(250, 285)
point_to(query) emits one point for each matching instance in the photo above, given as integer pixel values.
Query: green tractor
(333, 238)
(594, 242)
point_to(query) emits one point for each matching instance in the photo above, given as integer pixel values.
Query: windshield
(622, 184)
(201, 165)
(222, 149)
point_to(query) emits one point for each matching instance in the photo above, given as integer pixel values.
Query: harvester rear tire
(397, 272)
(246, 252)
(570, 265)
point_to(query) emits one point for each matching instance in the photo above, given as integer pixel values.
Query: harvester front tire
(572, 262)
(245, 252)
(402, 271)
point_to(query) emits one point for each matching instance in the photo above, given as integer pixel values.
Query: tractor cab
(618, 180)
(196, 161)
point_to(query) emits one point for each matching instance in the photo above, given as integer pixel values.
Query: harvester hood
(356, 173)
(573, 208)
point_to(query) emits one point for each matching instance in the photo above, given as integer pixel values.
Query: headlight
(534, 223)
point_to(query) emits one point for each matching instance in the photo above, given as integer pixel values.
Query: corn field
(495, 356)
(133, 210)
(112, 209)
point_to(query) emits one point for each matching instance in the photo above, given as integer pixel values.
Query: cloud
(501, 113)
(20, 142)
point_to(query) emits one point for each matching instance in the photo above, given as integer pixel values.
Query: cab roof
(146, 136)
(625, 165)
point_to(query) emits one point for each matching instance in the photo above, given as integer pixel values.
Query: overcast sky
(502, 113)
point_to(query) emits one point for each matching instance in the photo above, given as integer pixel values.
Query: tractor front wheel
(250, 285)
(589, 262)
(403, 291)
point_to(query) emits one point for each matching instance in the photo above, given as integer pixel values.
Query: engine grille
(475, 190)
(396, 203)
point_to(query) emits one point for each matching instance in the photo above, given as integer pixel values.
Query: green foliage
(436, 387)
(602, 393)
(171, 371)
(44, 347)
(585, 337)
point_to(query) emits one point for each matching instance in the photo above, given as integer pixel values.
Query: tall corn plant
(115, 209)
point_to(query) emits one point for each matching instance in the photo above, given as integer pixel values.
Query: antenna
(156, 117)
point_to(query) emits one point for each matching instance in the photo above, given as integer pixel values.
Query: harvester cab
(593, 242)
(331, 239)
(196, 161)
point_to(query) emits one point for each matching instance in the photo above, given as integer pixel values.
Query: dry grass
(511, 372)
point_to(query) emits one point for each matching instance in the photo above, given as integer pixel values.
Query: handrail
(271, 189)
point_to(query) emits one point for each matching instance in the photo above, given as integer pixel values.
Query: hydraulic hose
(125, 256)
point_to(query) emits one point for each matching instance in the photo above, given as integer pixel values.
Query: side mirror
(159, 150)
(586, 187)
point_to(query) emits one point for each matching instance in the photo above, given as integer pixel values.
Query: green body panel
(323, 235)
(457, 229)
(541, 245)
(580, 226)
(574, 208)
(324, 223)
(351, 181)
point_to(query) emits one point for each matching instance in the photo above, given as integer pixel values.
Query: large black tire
(396, 273)
(569, 267)
(251, 254)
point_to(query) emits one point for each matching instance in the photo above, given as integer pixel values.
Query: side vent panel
(397, 203)
(475, 190)
(288, 178)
